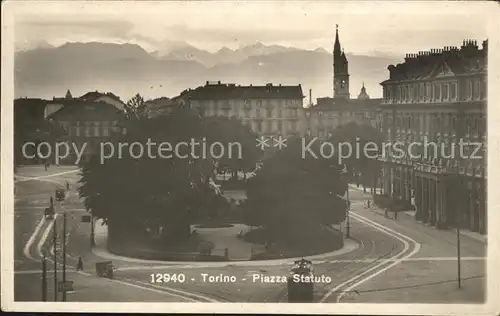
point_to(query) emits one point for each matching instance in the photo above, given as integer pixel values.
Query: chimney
(310, 96)
(485, 45)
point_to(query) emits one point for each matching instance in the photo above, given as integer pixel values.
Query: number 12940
(167, 278)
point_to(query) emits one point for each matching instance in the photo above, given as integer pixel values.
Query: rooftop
(89, 96)
(469, 58)
(217, 91)
(78, 109)
(331, 104)
(96, 94)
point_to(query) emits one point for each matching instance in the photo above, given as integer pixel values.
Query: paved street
(395, 261)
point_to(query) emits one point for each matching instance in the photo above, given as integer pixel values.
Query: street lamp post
(64, 258)
(348, 202)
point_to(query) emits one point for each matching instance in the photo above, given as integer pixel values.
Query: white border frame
(490, 11)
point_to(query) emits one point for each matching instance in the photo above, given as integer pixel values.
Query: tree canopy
(136, 108)
(291, 191)
(367, 137)
(162, 187)
(37, 131)
(232, 131)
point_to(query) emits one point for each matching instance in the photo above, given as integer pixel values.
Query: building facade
(29, 126)
(330, 113)
(160, 106)
(86, 120)
(270, 110)
(439, 98)
(91, 97)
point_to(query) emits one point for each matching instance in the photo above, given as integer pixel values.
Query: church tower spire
(340, 70)
(336, 46)
(68, 95)
(362, 94)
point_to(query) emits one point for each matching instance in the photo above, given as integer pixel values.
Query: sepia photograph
(256, 153)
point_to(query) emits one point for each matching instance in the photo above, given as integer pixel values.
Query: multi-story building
(269, 110)
(29, 125)
(89, 119)
(159, 106)
(439, 95)
(91, 97)
(329, 113)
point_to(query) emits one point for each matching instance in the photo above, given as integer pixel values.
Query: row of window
(439, 123)
(267, 126)
(91, 131)
(90, 123)
(258, 113)
(474, 89)
(329, 114)
(252, 103)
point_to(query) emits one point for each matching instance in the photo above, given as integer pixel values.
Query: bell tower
(340, 70)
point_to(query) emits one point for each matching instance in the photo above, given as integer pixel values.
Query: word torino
(194, 149)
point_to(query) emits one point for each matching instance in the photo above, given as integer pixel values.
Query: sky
(392, 27)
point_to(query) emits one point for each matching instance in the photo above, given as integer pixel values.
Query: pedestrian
(368, 203)
(79, 265)
(67, 185)
(386, 212)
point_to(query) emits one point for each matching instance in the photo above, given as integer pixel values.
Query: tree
(360, 163)
(37, 131)
(291, 194)
(168, 189)
(231, 132)
(136, 108)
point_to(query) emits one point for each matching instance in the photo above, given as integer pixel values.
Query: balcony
(451, 167)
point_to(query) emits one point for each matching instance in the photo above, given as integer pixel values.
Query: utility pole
(44, 279)
(458, 254)
(348, 230)
(64, 257)
(458, 215)
(458, 208)
(55, 258)
(92, 239)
